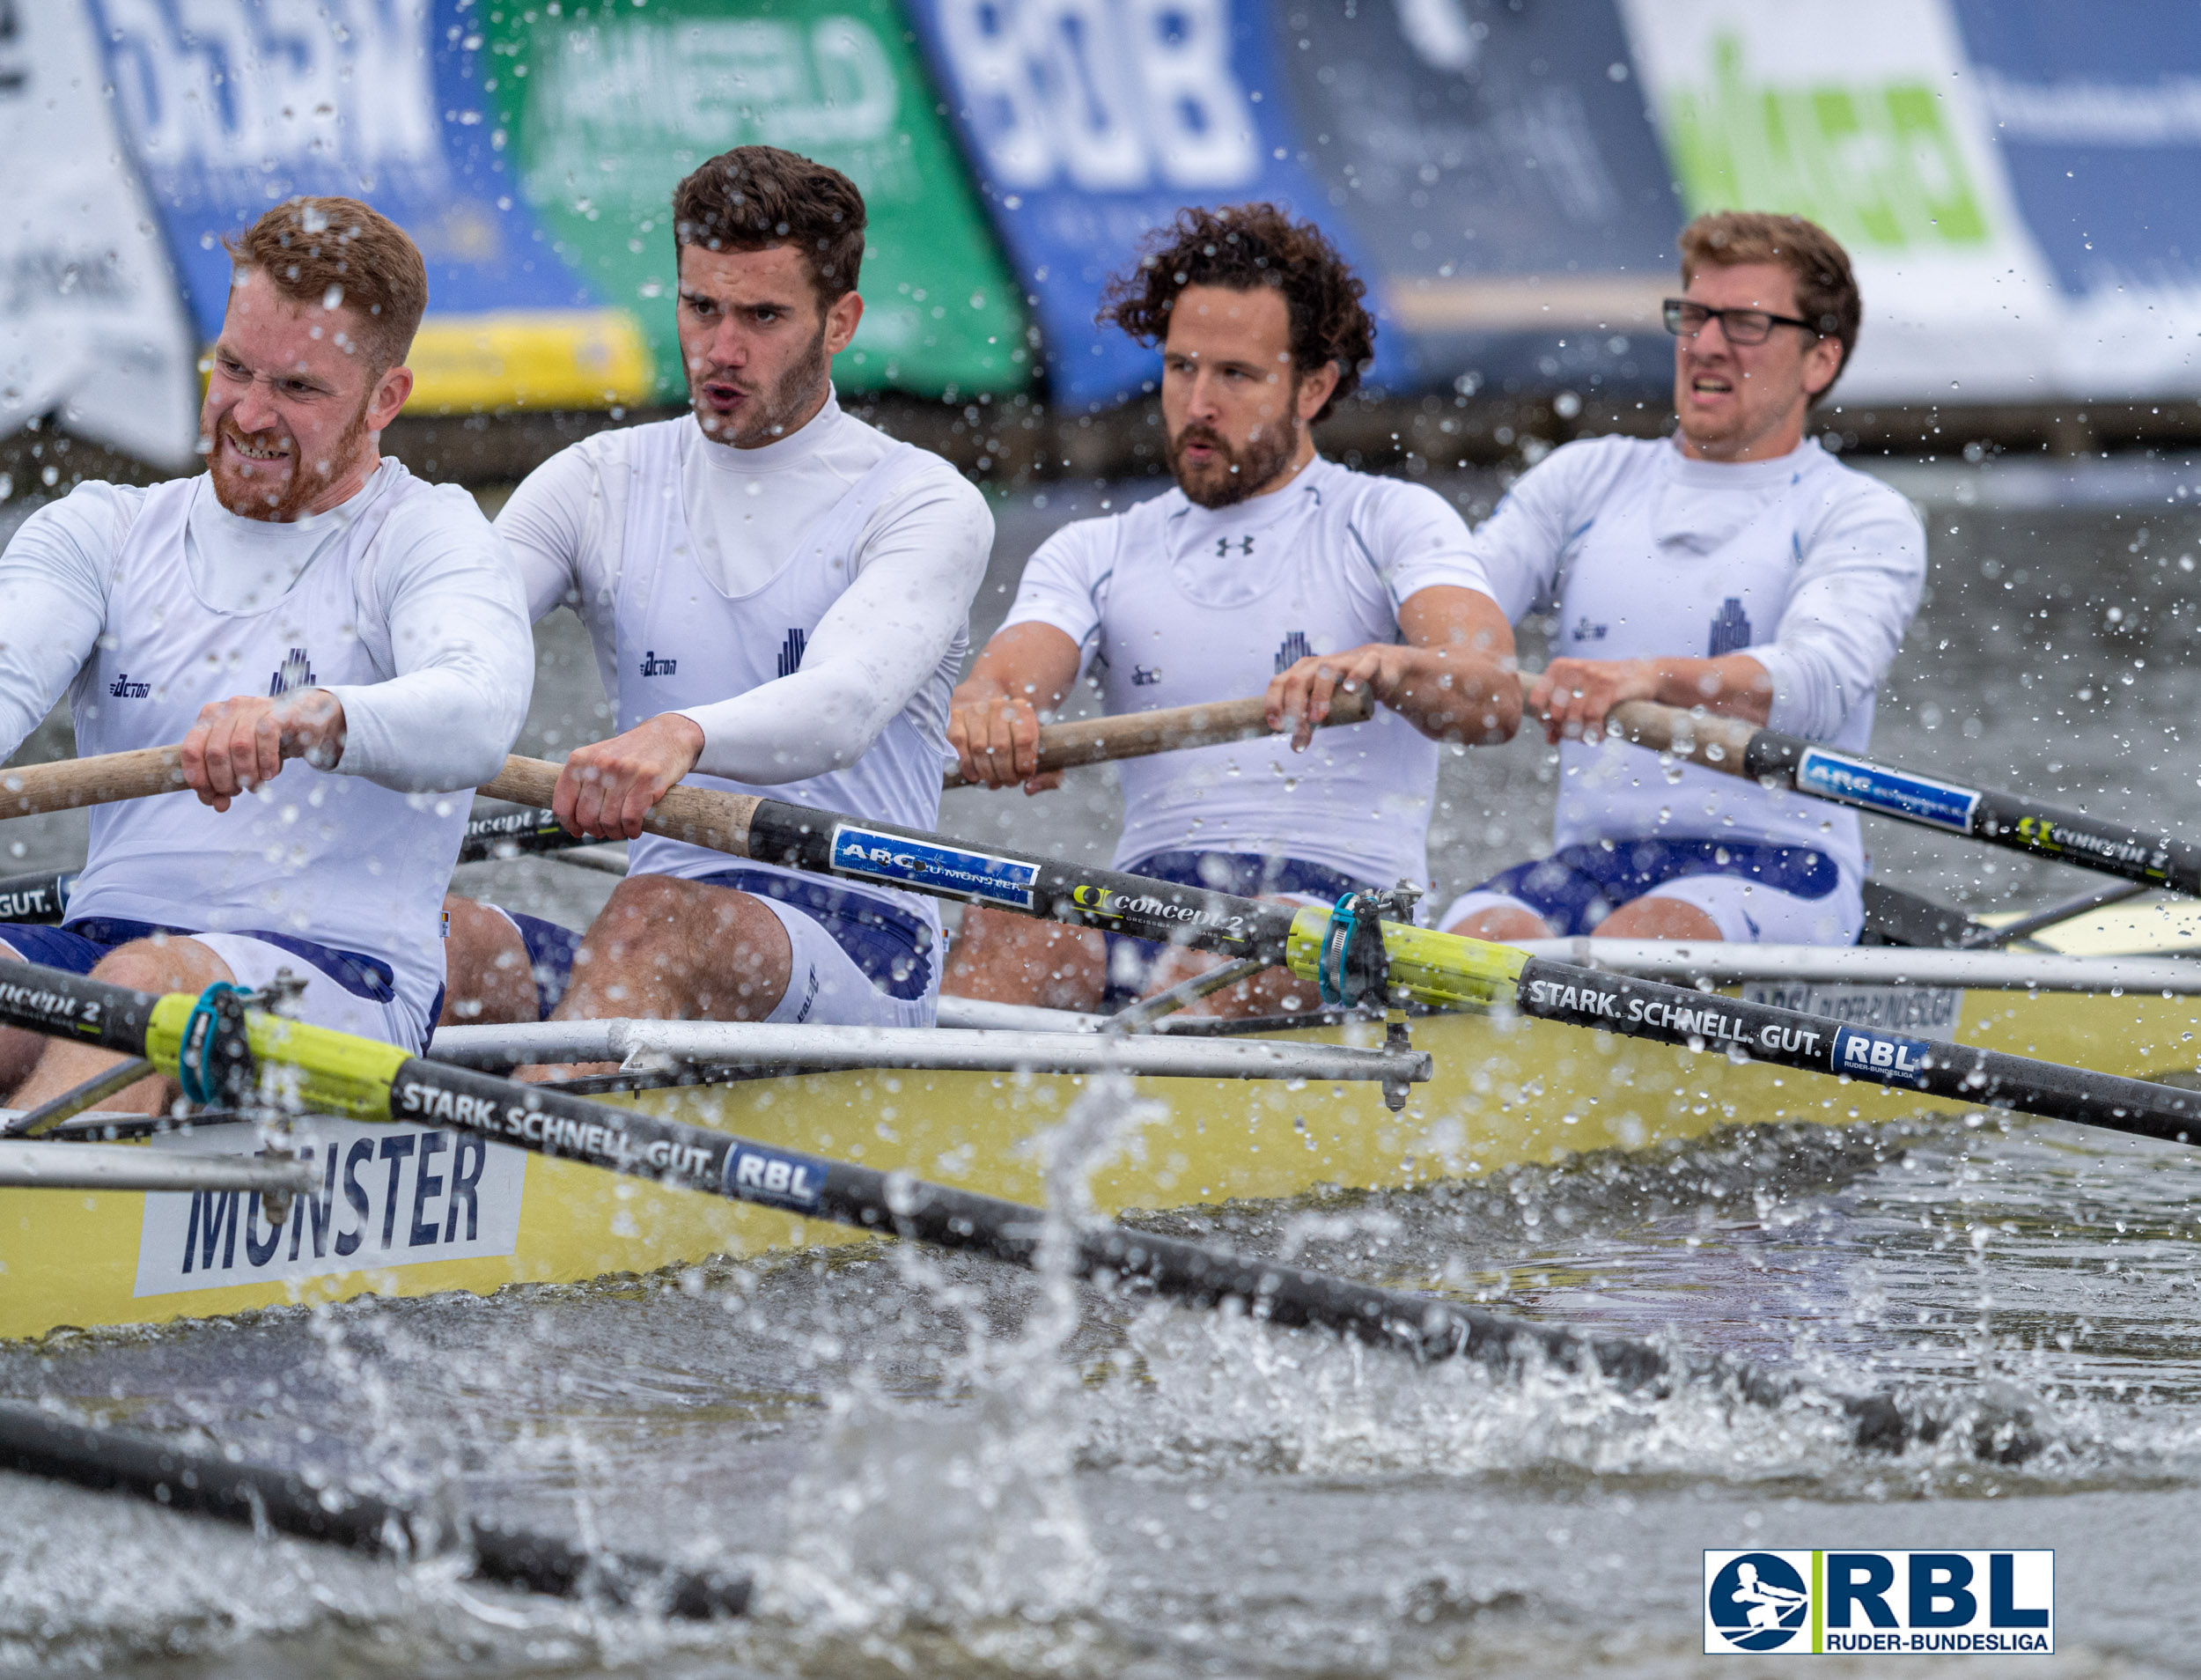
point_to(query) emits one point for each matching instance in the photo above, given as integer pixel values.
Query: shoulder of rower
(932, 490)
(93, 519)
(1575, 480)
(1832, 495)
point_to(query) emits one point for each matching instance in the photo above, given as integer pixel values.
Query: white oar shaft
(121, 1167)
(640, 1043)
(1137, 735)
(30, 788)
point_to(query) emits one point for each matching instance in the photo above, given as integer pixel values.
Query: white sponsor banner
(388, 1195)
(1865, 116)
(92, 325)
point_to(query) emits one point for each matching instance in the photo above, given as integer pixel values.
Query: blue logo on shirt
(1586, 631)
(652, 666)
(792, 650)
(1291, 649)
(1731, 629)
(124, 688)
(1223, 546)
(1145, 676)
(295, 673)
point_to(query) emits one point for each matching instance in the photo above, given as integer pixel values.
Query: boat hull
(407, 1211)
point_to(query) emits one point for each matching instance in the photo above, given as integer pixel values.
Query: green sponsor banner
(605, 104)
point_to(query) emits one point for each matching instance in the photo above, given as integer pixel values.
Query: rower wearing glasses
(1736, 566)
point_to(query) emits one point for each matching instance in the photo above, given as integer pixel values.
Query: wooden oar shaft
(701, 816)
(30, 788)
(1137, 735)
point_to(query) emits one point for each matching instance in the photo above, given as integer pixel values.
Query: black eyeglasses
(1686, 319)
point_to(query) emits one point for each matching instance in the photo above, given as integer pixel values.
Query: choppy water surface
(935, 1467)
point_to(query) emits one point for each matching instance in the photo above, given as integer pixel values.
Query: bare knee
(162, 963)
(1503, 924)
(1005, 958)
(1653, 918)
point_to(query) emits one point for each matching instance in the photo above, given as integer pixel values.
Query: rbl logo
(1800, 1603)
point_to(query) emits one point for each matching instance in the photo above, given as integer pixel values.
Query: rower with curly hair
(1266, 567)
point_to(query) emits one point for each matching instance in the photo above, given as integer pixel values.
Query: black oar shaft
(1983, 1077)
(2010, 820)
(509, 833)
(802, 838)
(41, 897)
(33, 1442)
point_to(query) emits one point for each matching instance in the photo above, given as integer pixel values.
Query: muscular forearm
(1734, 685)
(1453, 696)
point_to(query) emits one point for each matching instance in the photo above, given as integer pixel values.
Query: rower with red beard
(302, 600)
(1266, 568)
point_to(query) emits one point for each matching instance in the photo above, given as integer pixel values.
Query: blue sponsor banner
(243, 103)
(938, 868)
(1875, 787)
(2100, 129)
(1497, 164)
(1091, 121)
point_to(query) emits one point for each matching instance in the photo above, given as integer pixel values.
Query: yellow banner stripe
(574, 359)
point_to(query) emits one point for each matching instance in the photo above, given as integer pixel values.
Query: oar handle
(30, 788)
(1701, 737)
(701, 816)
(1136, 734)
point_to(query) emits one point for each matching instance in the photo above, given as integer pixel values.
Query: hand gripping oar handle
(33, 1442)
(30, 788)
(1136, 734)
(2009, 820)
(355, 1077)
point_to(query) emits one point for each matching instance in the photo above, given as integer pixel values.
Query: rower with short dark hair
(779, 596)
(1737, 566)
(340, 648)
(1267, 569)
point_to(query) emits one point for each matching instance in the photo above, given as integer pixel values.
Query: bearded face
(1214, 472)
(259, 476)
(752, 406)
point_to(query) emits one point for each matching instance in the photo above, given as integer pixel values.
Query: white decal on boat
(389, 1195)
(1935, 1010)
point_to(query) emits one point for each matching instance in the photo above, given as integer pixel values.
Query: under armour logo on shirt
(652, 666)
(790, 652)
(296, 672)
(1731, 629)
(1223, 545)
(1291, 649)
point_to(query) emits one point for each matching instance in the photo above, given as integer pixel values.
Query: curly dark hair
(1241, 246)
